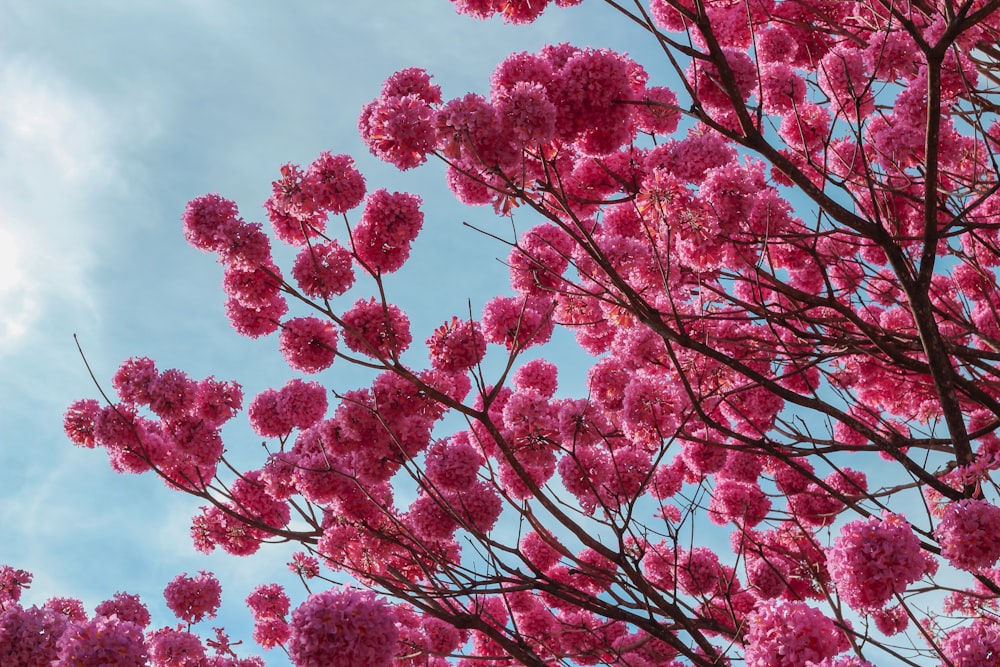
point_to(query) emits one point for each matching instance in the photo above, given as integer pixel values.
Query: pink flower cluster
(194, 598)
(183, 444)
(61, 634)
(790, 634)
(968, 533)
(343, 628)
(269, 606)
(872, 561)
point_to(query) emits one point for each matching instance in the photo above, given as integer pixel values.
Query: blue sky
(113, 114)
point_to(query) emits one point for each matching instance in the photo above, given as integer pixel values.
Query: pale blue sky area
(113, 114)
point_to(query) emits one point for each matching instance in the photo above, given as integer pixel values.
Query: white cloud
(57, 159)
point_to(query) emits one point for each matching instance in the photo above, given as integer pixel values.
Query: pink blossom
(412, 81)
(254, 288)
(539, 260)
(11, 583)
(874, 560)
(134, 378)
(431, 518)
(968, 533)
(456, 346)
(175, 648)
(523, 67)
(333, 184)
(126, 607)
(102, 642)
(71, 608)
(266, 419)
(208, 222)
(740, 502)
(588, 91)
(28, 637)
(323, 270)
(526, 114)
(453, 465)
(256, 322)
(973, 645)
(469, 132)
(343, 628)
(78, 422)
(398, 130)
(790, 634)
(376, 330)
(302, 404)
(517, 322)
(843, 78)
(293, 214)
(308, 344)
(247, 247)
(194, 598)
(389, 224)
(217, 402)
(172, 394)
(657, 112)
(478, 506)
(304, 565)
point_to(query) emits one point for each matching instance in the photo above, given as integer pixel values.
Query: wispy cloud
(57, 160)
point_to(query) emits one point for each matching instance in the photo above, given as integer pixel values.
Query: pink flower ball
(333, 183)
(308, 344)
(175, 648)
(968, 534)
(456, 346)
(343, 628)
(302, 403)
(102, 642)
(324, 270)
(194, 598)
(126, 607)
(208, 221)
(790, 634)
(389, 224)
(376, 329)
(398, 130)
(873, 560)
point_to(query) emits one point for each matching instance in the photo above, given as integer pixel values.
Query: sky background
(115, 113)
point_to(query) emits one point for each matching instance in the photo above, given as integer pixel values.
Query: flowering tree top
(782, 266)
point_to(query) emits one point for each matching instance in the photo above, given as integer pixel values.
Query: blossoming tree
(782, 265)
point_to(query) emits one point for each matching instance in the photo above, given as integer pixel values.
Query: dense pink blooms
(968, 533)
(453, 465)
(194, 598)
(126, 607)
(342, 628)
(874, 560)
(102, 642)
(308, 344)
(269, 605)
(12, 581)
(174, 648)
(527, 116)
(208, 222)
(790, 634)
(28, 637)
(519, 323)
(333, 184)
(399, 130)
(389, 224)
(456, 346)
(973, 645)
(78, 422)
(324, 270)
(376, 330)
